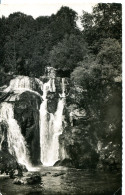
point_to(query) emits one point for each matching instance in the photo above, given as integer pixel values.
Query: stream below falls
(66, 181)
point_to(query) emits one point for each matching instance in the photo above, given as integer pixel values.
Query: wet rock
(57, 174)
(57, 163)
(34, 179)
(8, 163)
(3, 136)
(28, 180)
(45, 174)
(44, 79)
(11, 174)
(52, 102)
(26, 112)
(65, 162)
(17, 181)
(22, 167)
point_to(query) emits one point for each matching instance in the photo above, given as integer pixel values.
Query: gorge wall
(49, 121)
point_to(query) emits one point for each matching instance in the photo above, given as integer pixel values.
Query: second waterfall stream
(50, 127)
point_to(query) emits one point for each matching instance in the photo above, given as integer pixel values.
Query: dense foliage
(28, 45)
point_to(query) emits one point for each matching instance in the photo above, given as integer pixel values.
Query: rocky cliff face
(79, 147)
(92, 140)
(26, 112)
(87, 144)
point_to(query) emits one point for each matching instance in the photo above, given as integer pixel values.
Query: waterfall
(44, 123)
(63, 87)
(56, 131)
(16, 142)
(50, 128)
(52, 85)
(50, 124)
(21, 84)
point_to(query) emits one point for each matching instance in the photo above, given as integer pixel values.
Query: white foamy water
(50, 128)
(16, 141)
(21, 84)
(56, 130)
(63, 87)
(52, 85)
(24, 83)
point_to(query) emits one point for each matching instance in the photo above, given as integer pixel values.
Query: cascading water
(50, 128)
(50, 124)
(44, 122)
(63, 87)
(21, 84)
(16, 142)
(52, 85)
(56, 131)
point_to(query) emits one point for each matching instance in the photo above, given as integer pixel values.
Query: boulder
(45, 174)
(17, 181)
(58, 174)
(9, 165)
(28, 180)
(65, 162)
(34, 179)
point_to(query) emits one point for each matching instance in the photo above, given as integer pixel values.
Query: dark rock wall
(52, 101)
(7, 162)
(78, 146)
(3, 136)
(26, 112)
(99, 123)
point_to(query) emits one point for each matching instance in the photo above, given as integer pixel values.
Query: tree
(108, 17)
(42, 22)
(66, 54)
(110, 59)
(104, 22)
(64, 22)
(2, 39)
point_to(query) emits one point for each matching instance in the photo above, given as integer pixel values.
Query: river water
(66, 181)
